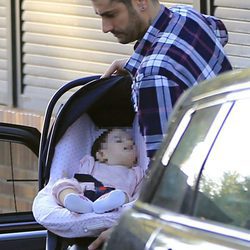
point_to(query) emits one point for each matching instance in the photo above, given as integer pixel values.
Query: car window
(225, 179)
(208, 174)
(181, 171)
(18, 177)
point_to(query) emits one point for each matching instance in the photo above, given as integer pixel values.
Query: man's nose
(106, 25)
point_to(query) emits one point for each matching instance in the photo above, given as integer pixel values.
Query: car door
(207, 178)
(19, 146)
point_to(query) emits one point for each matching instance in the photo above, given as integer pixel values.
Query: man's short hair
(126, 2)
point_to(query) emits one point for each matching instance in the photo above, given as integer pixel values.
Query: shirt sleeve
(156, 96)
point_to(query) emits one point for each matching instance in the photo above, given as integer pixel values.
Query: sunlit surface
(231, 151)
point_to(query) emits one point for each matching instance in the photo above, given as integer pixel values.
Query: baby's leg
(78, 203)
(110, 201)
(68, 194)
(65, 192)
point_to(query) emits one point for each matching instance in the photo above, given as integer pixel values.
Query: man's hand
(100, 240)
(116, 68)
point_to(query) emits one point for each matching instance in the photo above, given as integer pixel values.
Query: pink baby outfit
(114, 176)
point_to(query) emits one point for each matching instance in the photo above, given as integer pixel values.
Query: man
(176, 48)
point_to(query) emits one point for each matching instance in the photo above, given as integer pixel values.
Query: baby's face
(119, 148)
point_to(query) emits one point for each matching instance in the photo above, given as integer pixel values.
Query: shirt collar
(142, 46)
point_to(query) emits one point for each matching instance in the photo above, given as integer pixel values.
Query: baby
(106, 180)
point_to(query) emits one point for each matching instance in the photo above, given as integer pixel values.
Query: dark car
(197, 194)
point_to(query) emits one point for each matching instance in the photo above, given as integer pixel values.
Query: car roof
(216, 88)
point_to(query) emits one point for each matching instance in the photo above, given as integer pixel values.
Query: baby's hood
(218, 28)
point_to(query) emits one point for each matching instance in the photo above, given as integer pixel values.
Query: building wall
(17, 163)
(45, 44)
(54, 42)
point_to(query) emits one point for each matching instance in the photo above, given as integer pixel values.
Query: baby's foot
(78, 203)
(110, 201)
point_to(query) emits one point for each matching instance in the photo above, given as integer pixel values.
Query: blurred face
(124, 22)
(119, 149)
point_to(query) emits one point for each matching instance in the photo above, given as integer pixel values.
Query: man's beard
(133, 31)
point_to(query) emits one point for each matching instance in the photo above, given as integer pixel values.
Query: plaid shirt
(181, 48)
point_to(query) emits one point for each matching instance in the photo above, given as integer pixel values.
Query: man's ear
(141, 4)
